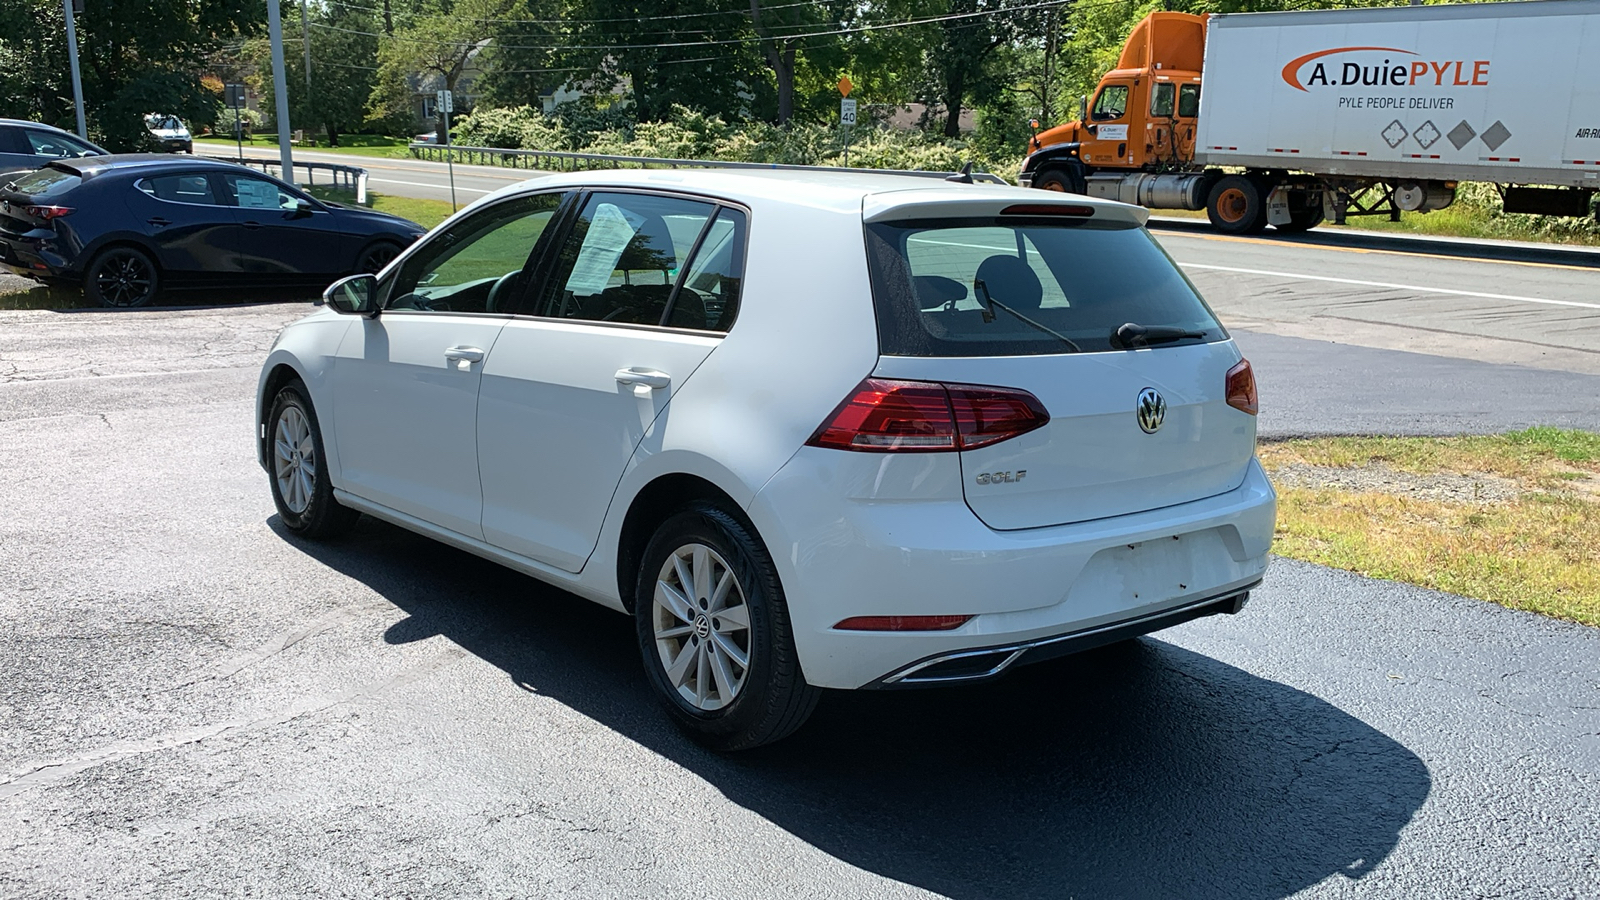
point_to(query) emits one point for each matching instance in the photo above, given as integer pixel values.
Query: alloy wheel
(124, 279)
(702, 627)
(294, 459)
(373, 261)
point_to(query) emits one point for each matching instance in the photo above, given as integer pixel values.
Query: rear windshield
(46, 182)
(1024, 286)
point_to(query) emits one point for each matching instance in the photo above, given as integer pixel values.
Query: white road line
(923, 240)
(1298, 276)
(440, 187)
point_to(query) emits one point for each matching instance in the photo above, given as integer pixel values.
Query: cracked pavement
(194, 704)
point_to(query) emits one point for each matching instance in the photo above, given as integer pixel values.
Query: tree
(137, 57)
(432, 47)
(962, 60)
(344, 57)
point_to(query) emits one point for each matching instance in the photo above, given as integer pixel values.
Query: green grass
(1535, 550)
(427, 213)
(21, 294)
(349, 144)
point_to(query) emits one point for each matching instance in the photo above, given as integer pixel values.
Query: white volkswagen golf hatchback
(810, 430)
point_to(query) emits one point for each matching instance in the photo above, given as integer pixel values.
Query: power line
(730, 41)
(699, 15)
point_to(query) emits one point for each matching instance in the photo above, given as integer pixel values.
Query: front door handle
(649, 378)
(159, 222)
(252, 225)
(464, 356)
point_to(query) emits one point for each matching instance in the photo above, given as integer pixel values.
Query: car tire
(122, 278)
(375, 256)
(692, 640)
(1237, 205)
(298, 469)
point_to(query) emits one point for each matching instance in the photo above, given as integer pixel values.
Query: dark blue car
(126, 227)
(29, 145)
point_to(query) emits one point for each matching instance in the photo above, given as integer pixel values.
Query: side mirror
(303, 209)
(356, 295)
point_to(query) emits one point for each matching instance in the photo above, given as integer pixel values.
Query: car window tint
(620, 261)
(45, 143)
(11, 140)
(475, 265)
(948, 253)
(1013, 287)
(47, 182)
(257, 193)
(708, 298)
(190, 188)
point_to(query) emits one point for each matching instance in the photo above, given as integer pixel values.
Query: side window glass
(621, 261)
(194, 188)
(257, 193)
(708, 298)
(11, 140)
(1112, 103)
(477, 264)
(43, 143)
(1161, 99)
(1189, 101)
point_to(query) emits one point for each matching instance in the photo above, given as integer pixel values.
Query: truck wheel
(1305, 213)
(1058, 180)
(1237, 205)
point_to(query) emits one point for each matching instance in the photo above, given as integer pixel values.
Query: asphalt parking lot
(194, 704)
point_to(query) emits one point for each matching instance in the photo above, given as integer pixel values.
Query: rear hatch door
(1034, 302)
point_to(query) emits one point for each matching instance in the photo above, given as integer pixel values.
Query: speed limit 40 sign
(847, 111)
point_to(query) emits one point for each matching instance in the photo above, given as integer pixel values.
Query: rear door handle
(158, 221)
(649, 378)
(467, 355)
(251, 225)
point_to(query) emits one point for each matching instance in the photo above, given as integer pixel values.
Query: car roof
(41, 125)
(122, 162)
(876, 195)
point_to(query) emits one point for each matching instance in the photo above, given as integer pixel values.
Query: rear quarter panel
(805, 335)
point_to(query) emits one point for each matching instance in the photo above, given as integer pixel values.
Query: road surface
(195, 704)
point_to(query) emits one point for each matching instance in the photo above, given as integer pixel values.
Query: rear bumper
(33, 257)
(984, 663)
(1032, 592)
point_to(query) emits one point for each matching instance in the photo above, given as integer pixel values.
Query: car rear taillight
(47, 213)
(902, 623)
(1242, 388)
(884, 416)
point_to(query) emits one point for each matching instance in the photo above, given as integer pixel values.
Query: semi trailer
(1289, 119)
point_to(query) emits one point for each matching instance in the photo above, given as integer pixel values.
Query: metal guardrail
(340, 177)
(560, 161)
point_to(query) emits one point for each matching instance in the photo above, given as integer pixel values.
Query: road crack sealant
(57, 771)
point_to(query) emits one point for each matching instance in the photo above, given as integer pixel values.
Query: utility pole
(1052, 29)
(77, 81)
(305, 37)
(280, 90)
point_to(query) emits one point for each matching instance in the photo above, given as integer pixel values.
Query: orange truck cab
(1135, 141)
(1143, 114)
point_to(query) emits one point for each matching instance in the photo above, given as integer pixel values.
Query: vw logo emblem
(1151, 409)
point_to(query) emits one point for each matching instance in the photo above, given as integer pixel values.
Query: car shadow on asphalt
(1136, 770)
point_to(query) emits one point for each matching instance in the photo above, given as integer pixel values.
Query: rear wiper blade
(990, 303)
(1132, 334)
